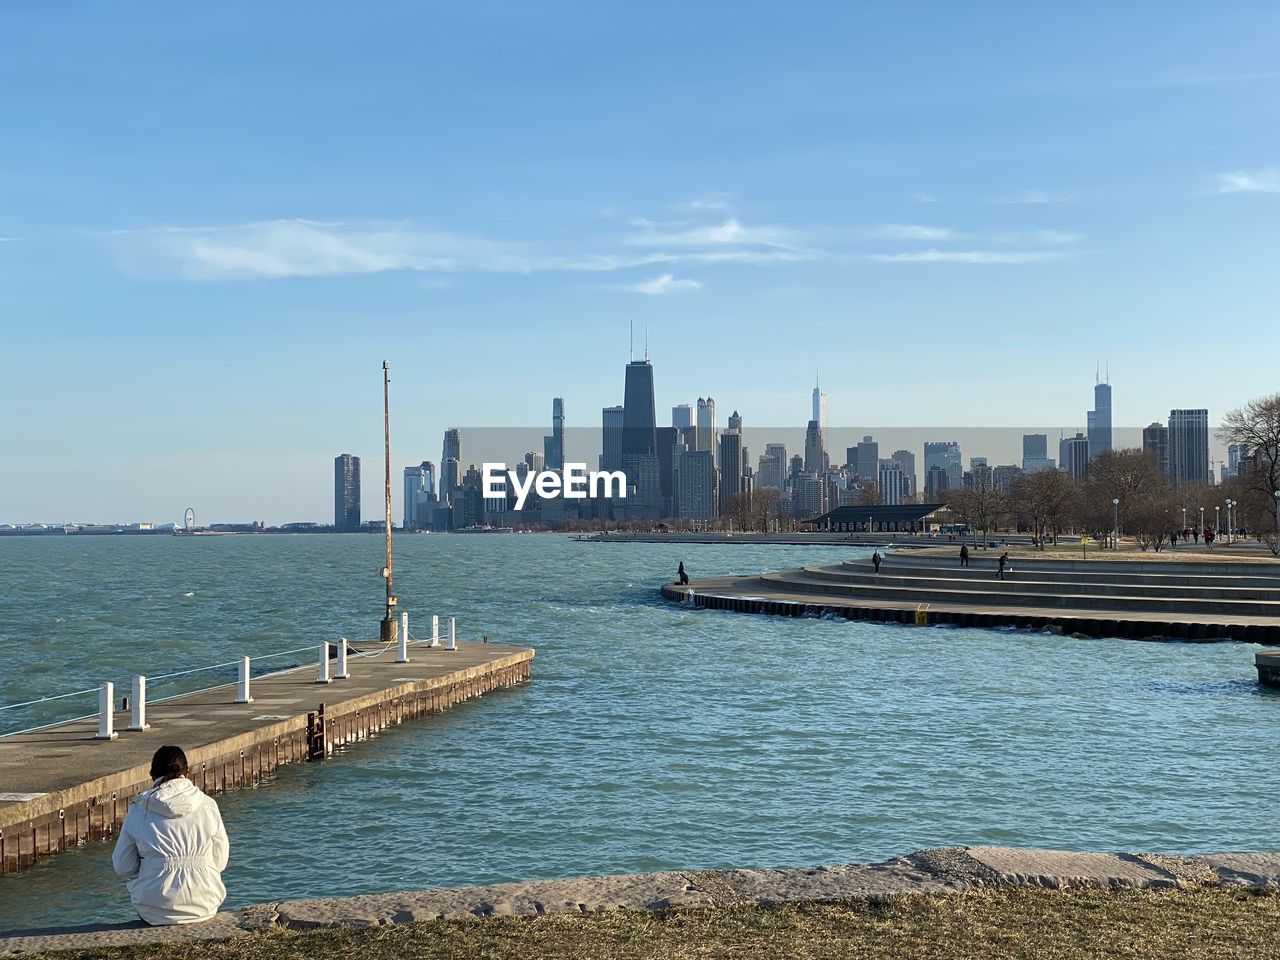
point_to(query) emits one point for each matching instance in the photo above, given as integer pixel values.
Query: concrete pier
(59, 786)
(1268, 663)
(1158, 600)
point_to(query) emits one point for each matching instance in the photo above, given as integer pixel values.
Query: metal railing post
(322, 675)
(453, 634)
(106, 716)
(402, 655)
(139, 701)
(435, 630)
(243, 695)
(342, 660)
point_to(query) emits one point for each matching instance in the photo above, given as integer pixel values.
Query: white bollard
(106, 719)
(435, 630)
(453, 634)
(402, 655)
(139, 703)
(342, 660)
(243, 695)
(322, 676)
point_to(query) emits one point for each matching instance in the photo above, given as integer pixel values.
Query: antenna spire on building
(1097, 365)
(631, 344)
(646, 343)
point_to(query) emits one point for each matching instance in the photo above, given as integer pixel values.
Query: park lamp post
(1230, 520)
(1115, 523)
(1202, 524)
(1184, 519)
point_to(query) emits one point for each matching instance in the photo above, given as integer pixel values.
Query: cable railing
(139, 685)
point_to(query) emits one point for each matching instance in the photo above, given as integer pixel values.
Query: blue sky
(218, 222)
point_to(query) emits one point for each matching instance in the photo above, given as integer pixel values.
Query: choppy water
(652, 736)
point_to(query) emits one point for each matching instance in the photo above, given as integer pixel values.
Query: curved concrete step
(992, 594)
(1021, 580)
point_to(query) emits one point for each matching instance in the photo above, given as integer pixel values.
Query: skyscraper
(814, 455)
(1035, 452)
(639, 435)
(419, 490)
(611, 439)
(1073, 456)
(907, 460)
(868, 463)
(945, 455)
(820, 411)
(1188, 449)
(773, 466)
(695, 484)
(1099, 420)
(1155, 441)
(553, 446)
(682, 416)
(346, 492)
(708, 434)
(892, 481)
(731, 476)
(450, 464)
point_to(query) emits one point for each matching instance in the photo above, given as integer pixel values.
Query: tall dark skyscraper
(553, 446)
(346, 492)
(639, 435)
(450, 463)
(1099, 420)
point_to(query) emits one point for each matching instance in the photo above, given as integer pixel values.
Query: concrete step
(992, 593)
(1021, 580)
(981, 566)
(1267, 569)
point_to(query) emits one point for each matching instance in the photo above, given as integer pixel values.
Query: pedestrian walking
(876, 560)
(1004, 562)
(172, 847)
(964, 554)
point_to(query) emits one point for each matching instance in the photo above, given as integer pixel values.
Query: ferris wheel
(189, 520)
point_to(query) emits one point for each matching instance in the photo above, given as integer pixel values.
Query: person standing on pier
(684, 577)
(1004, 562)
(876, 560)
(173, 847)
(964, 554)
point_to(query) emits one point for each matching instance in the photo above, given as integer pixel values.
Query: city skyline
(951, 215)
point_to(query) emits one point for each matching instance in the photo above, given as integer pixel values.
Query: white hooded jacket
(173, 848)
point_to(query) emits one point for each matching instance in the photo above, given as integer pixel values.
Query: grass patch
(989, 924)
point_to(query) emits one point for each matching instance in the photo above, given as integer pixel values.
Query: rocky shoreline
(939, 871)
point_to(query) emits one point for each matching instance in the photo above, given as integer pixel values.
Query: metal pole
(139, 701)
(402, 655)
(106, 719)
(388, 627)
(322, 675)
(435, 630)
(452, 643)
(243, 695)
(1115, 524)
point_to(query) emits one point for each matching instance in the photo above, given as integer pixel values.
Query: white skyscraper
(820, 411)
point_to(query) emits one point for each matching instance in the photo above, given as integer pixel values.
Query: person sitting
(173, 847)
(684, 577)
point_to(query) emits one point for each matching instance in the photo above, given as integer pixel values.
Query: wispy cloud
(984, 257)
(1250, 181)
(1033, 197)
(729, 233)
(666, 283)
(921, 197)
(712, 202)
(911, 231)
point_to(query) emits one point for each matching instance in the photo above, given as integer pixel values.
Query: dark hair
(169, 762)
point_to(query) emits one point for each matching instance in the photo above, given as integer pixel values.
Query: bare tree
(764, 508)
(1256, 427)
(869, 496)
(979, 507)
(1043, 498)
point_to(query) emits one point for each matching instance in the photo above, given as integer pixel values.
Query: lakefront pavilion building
(899, 518)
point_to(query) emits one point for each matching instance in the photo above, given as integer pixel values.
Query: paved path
(941, 871)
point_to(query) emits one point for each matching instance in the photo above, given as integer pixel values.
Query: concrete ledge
(940, 871)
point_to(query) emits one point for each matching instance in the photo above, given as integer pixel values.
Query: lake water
(652, 736)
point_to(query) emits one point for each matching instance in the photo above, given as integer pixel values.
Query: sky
(217, 221)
